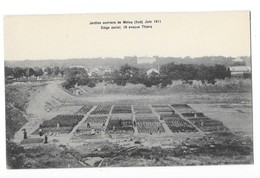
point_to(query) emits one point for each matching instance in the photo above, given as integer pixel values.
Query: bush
(15, 155)
(91, 84)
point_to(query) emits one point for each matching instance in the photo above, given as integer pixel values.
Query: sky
(177, 35)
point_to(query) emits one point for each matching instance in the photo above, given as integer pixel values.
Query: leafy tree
(8, 71)
(48, 70)
(38, 71)
(220, 72)
(18, 72)
(56, 70)
(29, 72)
(82, 79)
(75, 76)
(96, 78)
(62, 71)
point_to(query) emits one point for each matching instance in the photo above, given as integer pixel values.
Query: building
(152, 70)
(75, 91)
(145, 60)
(238, 60)
(100, 70)
(239, 70)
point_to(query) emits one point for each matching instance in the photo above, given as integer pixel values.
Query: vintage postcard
(128, 90)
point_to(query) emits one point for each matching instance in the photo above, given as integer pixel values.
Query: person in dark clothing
(45, 139)
(40, 132)
(159, 130)
(134, 123)
(120, 122)
(24, 134)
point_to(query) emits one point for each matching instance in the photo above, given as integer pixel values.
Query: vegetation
(76, 76)
(170, 72)
(14, 155)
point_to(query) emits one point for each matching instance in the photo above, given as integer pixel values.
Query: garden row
(199, 119)
(121, 109)
(141, 109)
(84, 109)
(149, 124)
(204, 123)
(101, 109)
(177, 124)
(120, 124)
(61, 124)
(92, 122)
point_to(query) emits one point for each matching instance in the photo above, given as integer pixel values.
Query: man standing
(45, 138)
(40, 132)
(24, 134)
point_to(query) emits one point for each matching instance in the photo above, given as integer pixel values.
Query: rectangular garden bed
(61, 124)
(121, 109)
(142, 109)
(177, 124)
(101, 109)
(208, 125)
(84, 109)
(92, 122)
(120, 124)
(148, 124)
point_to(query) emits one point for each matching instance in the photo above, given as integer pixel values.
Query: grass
(228, 85)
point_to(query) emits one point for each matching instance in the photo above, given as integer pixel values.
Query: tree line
(129, 74)
(169, 72)
(19, 72)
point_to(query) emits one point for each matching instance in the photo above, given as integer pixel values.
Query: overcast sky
(178, 35)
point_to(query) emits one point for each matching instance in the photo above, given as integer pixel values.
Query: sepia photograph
(128, 90)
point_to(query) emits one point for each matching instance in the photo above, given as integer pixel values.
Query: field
(147, 130)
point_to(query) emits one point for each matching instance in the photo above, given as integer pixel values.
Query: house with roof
(152, 70)
(239, 70)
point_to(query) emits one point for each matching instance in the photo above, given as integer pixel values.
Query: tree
(18, 72)
(62, 71)
(56, 70)
(220, 72)
(75, 76)
(126, 74)
(38, 71)
(48, 70)
(82, 79)
(8, 72)
(29, 72)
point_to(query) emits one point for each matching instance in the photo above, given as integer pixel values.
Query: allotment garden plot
(203, 122)
(100, 121)
(120, 124)
(61, 124)
(101, 109)
(92, 122)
